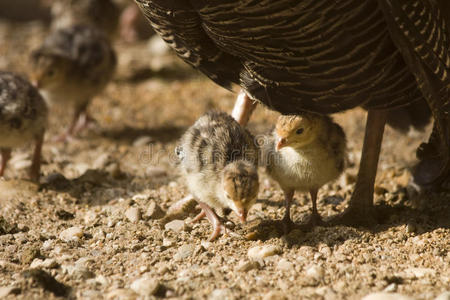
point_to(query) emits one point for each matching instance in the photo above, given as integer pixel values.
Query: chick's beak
(243, 215)
(281, 142)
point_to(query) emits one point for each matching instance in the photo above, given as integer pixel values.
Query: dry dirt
(110, 183)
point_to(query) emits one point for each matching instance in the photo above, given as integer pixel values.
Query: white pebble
(145, 286)
(71, 234)
(133, 214)
(246, 265)
(420, 272)
(102, 280)
(205, 244)
(47, 245)
(167, 243)
(47, 263)
(122, 294)
(184, 252)
(90, 216)
(285, 265)
(77, 271)
(390, 288)
(154, 211)
(156, 172)
(443, 296)
(142, 141)
(221, 294)
(260, 252)
(274, 296)
(386, 296)
(21, 164)
(175, 225)
(315, 272)
(6, 290)
(140, 197)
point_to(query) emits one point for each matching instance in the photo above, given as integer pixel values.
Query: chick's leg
(198, 217)
(243, 108)
(36, 163)
(361, 210)
(6, 155)
(287, 222)
(315, 217)
(80, 120)
(218, 227)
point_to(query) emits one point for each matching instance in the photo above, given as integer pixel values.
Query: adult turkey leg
(360, 210)
(243, 108)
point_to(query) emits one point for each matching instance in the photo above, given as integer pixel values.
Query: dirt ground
(93, 225)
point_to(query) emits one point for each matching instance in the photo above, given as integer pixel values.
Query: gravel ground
(93, 228)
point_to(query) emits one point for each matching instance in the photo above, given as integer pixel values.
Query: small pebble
(142, 141)
(390, 288)
(102, 280)
(154, 211)
(145, 286)
(77, 271)
(315, 272)
(184, 252)
(175, 225)
(122, 294)
(49, 263)
(221, 294)
(205, 244)
(133, 214)
(48, 244)
(247, 265)
(260, 252)
(7, 290)
(21, 164)
(420, 272)
(71, 234)
(443, 296)
(101, 161)
(89, 217)
(167, 243)
(273, 295)
(155, 172)
(386, 296)
(285, 265)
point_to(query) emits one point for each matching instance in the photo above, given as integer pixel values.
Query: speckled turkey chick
(72, 66)
(23, 118)
(218, 159)
(323, 57)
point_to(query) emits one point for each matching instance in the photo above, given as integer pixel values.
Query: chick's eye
(299, 131)
(50, 73)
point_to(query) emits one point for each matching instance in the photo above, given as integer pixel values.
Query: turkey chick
(23, 118)
(305, 152)
(72, 66)
(218, 159)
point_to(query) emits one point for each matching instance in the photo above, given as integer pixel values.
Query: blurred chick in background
(72, 66)
(23, 118)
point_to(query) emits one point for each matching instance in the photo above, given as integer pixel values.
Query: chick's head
(240, 186)
(297, 131)
(48, 70)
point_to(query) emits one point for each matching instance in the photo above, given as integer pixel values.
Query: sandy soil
(92, 229)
